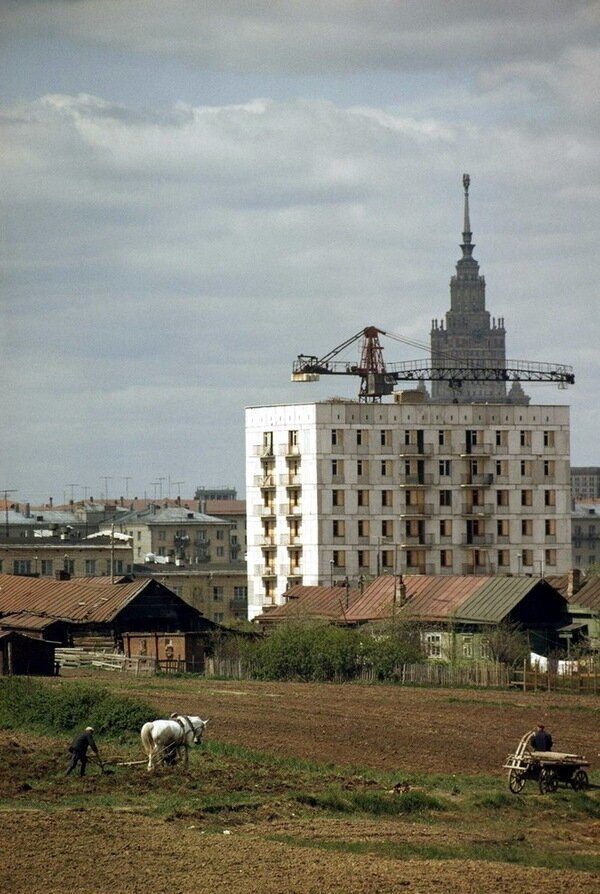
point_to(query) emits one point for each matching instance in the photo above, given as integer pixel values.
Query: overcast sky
(196, 192)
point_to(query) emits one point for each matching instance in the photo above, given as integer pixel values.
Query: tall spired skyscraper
(469, 333)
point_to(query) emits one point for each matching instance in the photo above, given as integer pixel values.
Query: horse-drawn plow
(548, 768)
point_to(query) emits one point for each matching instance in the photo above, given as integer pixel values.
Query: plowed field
(294, 793)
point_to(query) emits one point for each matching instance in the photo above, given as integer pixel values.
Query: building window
(526, 498)
(139, 535)
(47, 567)
(387, 558)
(162, 535)
(363, 497)
(386, 498)
(337, 497)
(485, 651)
(339, 558)
(240, 592)
(217, 593)
(337, 466)
(363, 527)
(445, 498)
(292, 438)
(503, 527)
(442, 437)
(548, 468)
(90, 567)
(445, 467)
(220, 551)
(525, 438)
(385, 437)
(548, 439)
(387, 528)
(527, 557)
(359, 437)
(501, 498)
(550, 527)
(433, 645)
(446, 558)
(549, 498)
(386, 468)
(218, 617)
(22, 566)
(446, 527)
(467, 647)
(339, 527)
(336, 437)
(527, 527)
(267, 443)
(503, 558)
(363, 558)
(550, 557)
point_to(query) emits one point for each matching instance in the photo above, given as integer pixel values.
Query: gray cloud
(165, 267)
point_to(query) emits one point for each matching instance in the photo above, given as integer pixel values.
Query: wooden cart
(548, 768)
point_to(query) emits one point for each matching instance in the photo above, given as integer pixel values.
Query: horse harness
(184, 732)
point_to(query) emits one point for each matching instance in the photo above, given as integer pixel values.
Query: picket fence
(112, 661)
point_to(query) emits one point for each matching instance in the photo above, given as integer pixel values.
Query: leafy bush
(306, 651)
(32, 703)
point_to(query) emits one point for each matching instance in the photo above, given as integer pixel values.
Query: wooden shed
(25, 655)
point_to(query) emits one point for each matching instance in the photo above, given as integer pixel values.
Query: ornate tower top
(467, 246)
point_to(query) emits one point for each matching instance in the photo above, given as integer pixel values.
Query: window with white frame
(433, 645)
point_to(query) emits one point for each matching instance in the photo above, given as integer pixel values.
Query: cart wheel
(548, 781)
(516, 781)
(579, 780)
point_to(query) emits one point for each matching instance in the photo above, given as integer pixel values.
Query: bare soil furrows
(384, 727)
(93, 852)
(241, 822)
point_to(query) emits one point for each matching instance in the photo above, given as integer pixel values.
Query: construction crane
(378, 379)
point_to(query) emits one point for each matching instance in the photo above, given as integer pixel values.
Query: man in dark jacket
(541, 739)
(78, 749)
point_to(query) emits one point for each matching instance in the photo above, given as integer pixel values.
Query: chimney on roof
(178, 501)
(51, 502)
(27, 510)
(121, 501)
(573, 582)
(399, 591)
(71, 503)
(17, 507)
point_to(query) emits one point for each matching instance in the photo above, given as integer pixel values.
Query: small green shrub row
(32, 703)
(321, 652)
(377, 803)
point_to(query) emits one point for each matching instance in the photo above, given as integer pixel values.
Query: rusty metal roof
(426, 597)
(314, 603)
(26, 621)
(80, 599)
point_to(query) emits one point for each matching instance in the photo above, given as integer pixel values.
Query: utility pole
(154, 484)
(127, 479)
(178, 484)
(160, 481)
(6, 491)
(85, 492)
(73, 486)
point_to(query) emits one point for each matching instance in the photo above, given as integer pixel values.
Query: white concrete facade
(342, 489)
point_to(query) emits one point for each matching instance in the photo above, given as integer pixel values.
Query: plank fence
(485, 674)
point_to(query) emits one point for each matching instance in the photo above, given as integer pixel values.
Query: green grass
(377, 803)
(515, 852)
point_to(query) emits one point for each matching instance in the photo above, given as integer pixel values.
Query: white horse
(166, 738)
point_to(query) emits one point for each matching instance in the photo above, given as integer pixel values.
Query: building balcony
(265, 540)
(263, 452)
(477, 540)
(421, 568)
(476, 450)
(415, 450)
(476, 569)
(503, 540)
(291, 451)
(265, 481)
(411, 541)
(265, 571)
(266, 511)
(290, 480)
(486, 509)
(291, 510)
(425, 480)
(422, 510)
(290, 570)
(483, 480)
